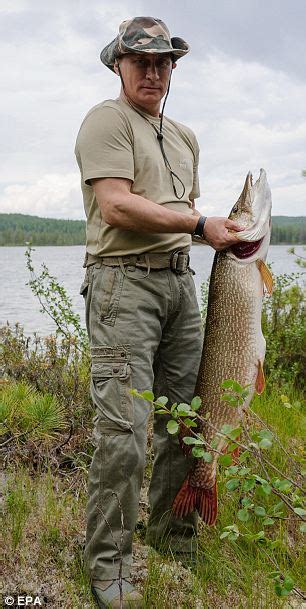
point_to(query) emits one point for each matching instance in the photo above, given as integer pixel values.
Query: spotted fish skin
(234, 346)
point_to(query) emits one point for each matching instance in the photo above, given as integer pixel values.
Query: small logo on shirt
(183, 163)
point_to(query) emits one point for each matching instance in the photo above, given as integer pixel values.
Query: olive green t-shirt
(114, 141)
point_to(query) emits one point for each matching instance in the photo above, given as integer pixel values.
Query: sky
(242, 89)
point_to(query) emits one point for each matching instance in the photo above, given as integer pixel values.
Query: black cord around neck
(159, 134)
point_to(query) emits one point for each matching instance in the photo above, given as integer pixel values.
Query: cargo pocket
(85, 284)
(111, 384)
(107, 290)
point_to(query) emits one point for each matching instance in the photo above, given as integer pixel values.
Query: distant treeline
(16, 229)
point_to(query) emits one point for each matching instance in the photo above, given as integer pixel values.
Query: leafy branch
(241, 474)
(55, 302)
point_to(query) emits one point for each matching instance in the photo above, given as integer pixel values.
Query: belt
(177, 260)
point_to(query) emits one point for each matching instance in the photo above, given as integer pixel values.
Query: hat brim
(109, 54)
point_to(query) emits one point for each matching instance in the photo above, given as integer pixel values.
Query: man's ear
(116, 67)
(174, 65)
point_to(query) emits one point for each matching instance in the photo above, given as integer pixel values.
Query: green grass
(44, 522)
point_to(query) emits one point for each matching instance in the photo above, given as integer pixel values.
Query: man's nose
(152, 71)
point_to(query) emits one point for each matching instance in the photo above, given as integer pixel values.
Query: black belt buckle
(179, 262)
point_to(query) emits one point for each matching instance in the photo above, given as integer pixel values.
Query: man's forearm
(123, 209)
(135, 213)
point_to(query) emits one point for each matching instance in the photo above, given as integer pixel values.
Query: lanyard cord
(160, 136)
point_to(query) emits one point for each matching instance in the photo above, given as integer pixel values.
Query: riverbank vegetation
(45, 431)
(17, 229)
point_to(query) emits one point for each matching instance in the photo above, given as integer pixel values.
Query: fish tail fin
(190, 498)
(184, 502)
(207, 504)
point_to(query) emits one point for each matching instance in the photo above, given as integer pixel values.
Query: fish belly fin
(260, 382)
(204, 500)
(266, 275)
(236, 453)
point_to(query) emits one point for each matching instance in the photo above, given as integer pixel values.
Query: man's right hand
(216, 232)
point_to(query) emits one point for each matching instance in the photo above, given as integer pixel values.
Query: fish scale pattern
(235, 303)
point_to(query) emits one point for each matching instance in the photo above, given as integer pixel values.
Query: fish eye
(235, 209)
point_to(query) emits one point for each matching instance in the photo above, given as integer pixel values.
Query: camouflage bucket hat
(143, 35)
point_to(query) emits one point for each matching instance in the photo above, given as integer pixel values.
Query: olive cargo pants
(145, 333)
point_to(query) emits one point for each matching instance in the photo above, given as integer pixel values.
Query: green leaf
(284, 486)
(229, 398)
(148, 395)
(183, 410)
(207, 457)
(191, 441)
(278, 507)
(248, 485)
(303, 527)
(196, 403)
(233, 385)
(161, 401)
(224, 534)
(225, 460)
(265, 443)
(244, 456)
(233, 469)
(161, 411)
(232, 446)
(173, 408)
(232, 484)
(284, 398)
(243, 515)
(265, 433)
(244, 471)
(233, 536)
(259, 511)
(268, 521)
(266, 488)
(198, 451)
(247, 502)
(226, 428)
(274, 574)
(190, 423)
(172, 427)
(235, 433)
(214, 443)
(288, 583)
(300, 511)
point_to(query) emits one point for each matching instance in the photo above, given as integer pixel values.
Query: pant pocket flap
(101, 370)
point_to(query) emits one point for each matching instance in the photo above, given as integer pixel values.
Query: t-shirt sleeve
(195, 193)
(104, 146)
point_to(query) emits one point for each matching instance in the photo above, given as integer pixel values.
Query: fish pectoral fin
(204, 500)
(266, 275)
(260, 382)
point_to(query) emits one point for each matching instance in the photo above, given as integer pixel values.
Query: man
(139, 174)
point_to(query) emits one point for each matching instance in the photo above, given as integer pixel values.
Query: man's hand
(216, 232)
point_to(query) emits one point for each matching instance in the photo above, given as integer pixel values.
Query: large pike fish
(234, 346)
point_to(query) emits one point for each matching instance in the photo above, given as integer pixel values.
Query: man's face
(145, 77)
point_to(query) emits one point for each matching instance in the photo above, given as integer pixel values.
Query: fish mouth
(245, 249)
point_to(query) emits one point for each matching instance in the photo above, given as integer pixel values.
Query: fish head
(252, 212)
(241, 212)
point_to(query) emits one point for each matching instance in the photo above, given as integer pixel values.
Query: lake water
(18, 304)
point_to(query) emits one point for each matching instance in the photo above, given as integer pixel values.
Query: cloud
(246, 111)
(241, 116)
(51, 196)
